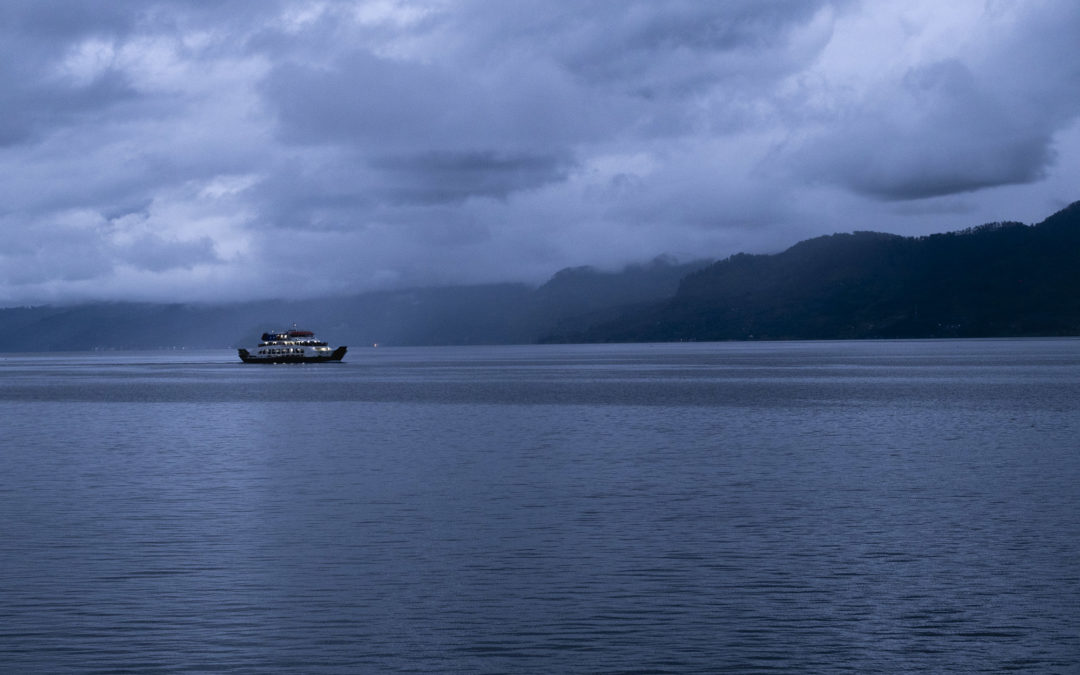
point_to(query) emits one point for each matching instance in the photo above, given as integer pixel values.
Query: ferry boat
(291, 346)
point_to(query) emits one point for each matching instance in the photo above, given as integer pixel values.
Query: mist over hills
(995, 280)
(455, 315)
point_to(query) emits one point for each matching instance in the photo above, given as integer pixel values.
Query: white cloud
(87, 61)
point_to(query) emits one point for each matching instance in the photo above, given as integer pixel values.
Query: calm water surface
(835, 506)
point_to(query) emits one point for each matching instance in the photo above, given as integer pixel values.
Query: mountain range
(994, 280)
(506, 313)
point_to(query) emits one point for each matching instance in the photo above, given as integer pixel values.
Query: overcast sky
(194, 151)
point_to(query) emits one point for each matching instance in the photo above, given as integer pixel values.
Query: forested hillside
(1000, 279)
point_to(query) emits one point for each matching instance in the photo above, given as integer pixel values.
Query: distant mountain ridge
(1000, 279)
(505, 313)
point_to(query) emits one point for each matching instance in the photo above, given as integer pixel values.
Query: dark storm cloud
(174, 148)
(673, 45)
(379, 104)
(435, 177)
(33, 97)
(34, 109)
(940, 132)
(508, 108)
(153, 253)
(50, 21)
(360, 99)
(61, 19)
(421, 133)
(960, 124)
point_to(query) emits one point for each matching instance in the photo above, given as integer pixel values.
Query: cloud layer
(175, 150)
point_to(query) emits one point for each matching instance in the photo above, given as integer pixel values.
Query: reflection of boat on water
(291, 346)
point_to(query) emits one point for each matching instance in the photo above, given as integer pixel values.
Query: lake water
(749, 507)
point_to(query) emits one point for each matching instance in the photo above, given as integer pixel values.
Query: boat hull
(333, 357)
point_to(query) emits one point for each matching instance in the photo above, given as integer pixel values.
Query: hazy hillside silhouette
(454, 315)
(1000, 279)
